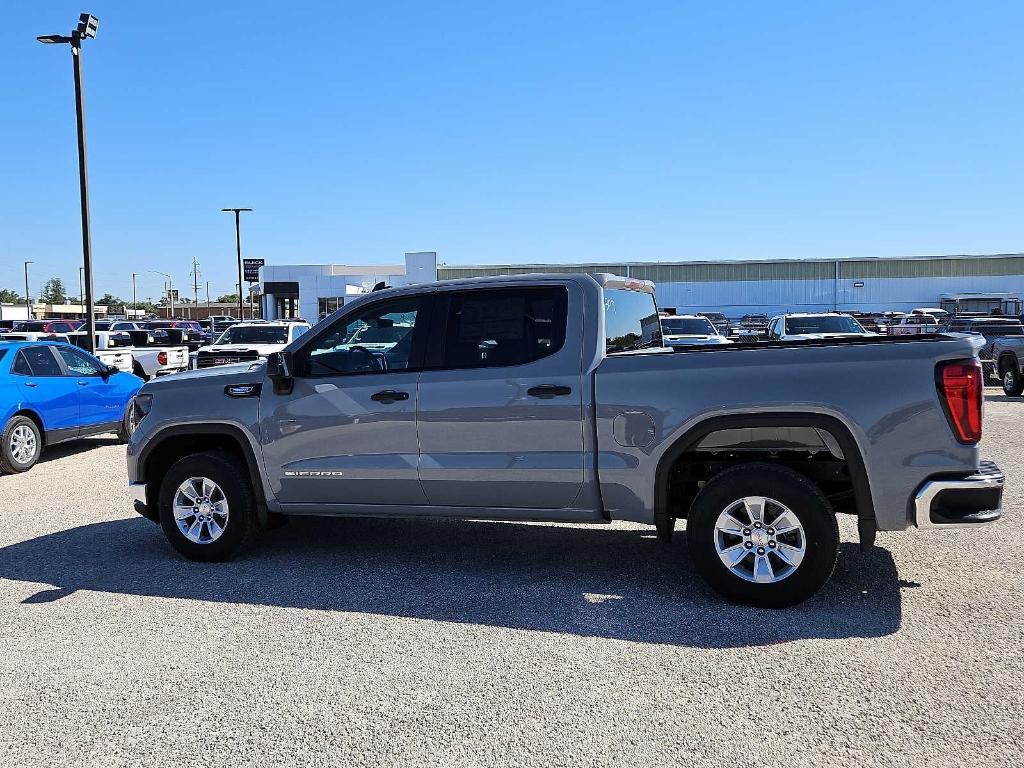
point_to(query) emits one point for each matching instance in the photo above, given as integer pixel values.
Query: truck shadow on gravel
(587, 581)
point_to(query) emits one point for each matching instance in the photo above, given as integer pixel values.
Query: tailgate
(123, 360)
(177, 357)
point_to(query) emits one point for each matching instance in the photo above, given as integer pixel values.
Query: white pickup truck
(146, 361)
(913, 325)
(250, 341)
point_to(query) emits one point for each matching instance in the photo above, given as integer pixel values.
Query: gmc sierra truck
(551, 398)
(1008, 357)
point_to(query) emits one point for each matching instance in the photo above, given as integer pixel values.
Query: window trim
(312, 337)
(436, 355)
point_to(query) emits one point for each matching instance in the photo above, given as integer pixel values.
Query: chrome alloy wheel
(200, 510)
(760, 539)
(23, 444)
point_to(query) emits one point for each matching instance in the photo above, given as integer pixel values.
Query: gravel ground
(367, 642)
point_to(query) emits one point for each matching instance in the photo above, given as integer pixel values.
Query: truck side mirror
(281, 370)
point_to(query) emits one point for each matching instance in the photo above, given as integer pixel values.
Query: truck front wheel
(763, 535)
(206, 506)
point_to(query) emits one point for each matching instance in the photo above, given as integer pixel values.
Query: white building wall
(316, 281)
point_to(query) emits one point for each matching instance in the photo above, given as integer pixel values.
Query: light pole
(208, 301)
(81, 301)
(28, 301)
(238, 248)
(135, 304)
(87, 26)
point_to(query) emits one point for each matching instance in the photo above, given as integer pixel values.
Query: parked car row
(1001, 354)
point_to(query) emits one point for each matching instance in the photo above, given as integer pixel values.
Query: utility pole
(135, 304)
(195, 286)
(87, 26)
(238, 248)
(168, 290)
(28, 301)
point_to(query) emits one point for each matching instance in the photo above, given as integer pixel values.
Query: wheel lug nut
(771, 531)
(757, 525)
(771, 544)
(760, 550)
(746, 531)
(748, 545)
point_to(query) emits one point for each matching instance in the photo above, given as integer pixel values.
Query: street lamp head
(87, 25)
(50, 39)
(233, 210)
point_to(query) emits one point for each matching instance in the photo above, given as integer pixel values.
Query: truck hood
(260, 349)
(250, 372)
(683, 338)
(827, 335)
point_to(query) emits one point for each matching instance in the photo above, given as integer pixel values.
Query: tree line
(54, 292)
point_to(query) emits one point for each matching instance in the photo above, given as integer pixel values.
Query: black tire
(124, 432)
(8, 463)
(804, 500)
(230, 474)
(1013, 382)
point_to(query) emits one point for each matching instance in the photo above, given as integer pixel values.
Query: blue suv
(51, 392)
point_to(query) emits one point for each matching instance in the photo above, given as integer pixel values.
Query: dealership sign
(251, 268)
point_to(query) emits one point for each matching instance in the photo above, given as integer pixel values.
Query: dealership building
(732, 287)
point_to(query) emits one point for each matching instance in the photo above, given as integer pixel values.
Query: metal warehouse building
(739, 287)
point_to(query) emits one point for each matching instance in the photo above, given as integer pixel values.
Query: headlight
(141, 406)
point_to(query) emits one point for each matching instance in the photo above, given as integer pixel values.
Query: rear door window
(504, 326)
(42, 362)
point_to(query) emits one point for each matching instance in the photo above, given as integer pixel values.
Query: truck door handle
(389, 396)
(83, 383)
(548, 390)
(31, 384)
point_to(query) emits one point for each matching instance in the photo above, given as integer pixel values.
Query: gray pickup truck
(1008, 358)
(551, 398)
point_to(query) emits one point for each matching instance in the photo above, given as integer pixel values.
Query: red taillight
(162, 358)
(960, 390)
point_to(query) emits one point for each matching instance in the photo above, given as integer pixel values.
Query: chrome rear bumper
(964, 502)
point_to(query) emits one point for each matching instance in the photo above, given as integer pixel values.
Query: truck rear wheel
(763, 535)
(1013, 382)
(206, 506)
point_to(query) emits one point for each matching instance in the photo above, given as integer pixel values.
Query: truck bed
(881, 390)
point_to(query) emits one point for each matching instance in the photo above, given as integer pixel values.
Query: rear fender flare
(830, 424)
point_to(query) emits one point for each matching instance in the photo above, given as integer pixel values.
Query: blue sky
(521, 133)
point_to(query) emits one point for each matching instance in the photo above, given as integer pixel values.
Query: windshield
(254, 334)
(823, 324)
(687, 325)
